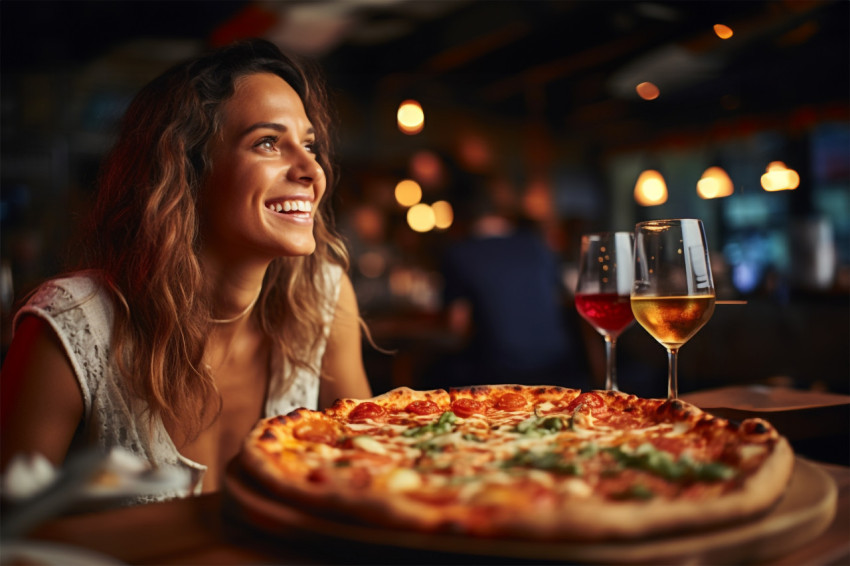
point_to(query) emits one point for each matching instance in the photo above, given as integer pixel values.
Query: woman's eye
(310, 146)
(267, 143)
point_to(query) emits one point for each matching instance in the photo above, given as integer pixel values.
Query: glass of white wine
(673, 292)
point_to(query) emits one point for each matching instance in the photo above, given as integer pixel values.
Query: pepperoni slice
(422, 407)
(589, 399)
(367, 411)
(466, 407)
(316, 431)
(625, 421)
(511, 402)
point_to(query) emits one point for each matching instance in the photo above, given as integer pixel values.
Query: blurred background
(560, 105)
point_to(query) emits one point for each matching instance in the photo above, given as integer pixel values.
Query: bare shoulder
(343, 373)
(41, 400)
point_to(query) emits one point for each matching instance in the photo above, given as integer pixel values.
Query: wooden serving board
(805, 511)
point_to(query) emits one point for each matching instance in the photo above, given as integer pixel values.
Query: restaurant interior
(567, 102)
(569, 116)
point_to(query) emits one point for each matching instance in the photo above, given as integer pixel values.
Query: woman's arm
(343, 374)
(41, 404)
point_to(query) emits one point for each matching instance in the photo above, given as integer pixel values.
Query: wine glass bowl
(673, 292)
(602, 292)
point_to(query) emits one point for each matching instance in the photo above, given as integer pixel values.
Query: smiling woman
(214, 290)
(263, 160)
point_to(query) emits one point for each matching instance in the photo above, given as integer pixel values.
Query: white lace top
(81, 315)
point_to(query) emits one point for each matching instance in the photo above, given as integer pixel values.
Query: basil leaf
(548, 461)
(442, 425)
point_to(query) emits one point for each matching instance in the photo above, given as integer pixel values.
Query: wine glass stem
(672, 373)
(611, 363)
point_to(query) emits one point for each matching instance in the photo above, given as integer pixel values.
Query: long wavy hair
(143, 234)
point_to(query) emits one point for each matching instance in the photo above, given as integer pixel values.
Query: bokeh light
(723, 31)
(411, 117)
(647, 91)
(650, 189)
(715, 183)
(408, 192)
(420, 217)
(443, 214)
(778, 177)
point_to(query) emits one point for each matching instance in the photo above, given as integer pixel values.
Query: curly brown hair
(143, 240)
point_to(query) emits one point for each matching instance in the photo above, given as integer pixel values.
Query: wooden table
(198, 531)
(201, 530)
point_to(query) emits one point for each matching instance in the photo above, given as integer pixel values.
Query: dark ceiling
(569, 64)
(574, 65)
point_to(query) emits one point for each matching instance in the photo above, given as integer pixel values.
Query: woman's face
(265, 184)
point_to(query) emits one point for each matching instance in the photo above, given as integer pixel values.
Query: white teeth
(291, 206)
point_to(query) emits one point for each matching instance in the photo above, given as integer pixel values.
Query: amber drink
(673, 292)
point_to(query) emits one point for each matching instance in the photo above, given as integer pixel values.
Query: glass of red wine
(605, 277)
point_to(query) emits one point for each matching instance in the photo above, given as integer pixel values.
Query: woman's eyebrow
(265, 125)
(272, 126)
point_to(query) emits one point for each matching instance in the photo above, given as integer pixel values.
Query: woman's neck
(234, 290)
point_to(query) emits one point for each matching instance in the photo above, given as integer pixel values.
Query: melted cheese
(369, 444)
(403, 479)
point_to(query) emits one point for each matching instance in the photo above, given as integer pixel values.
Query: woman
(213, 291)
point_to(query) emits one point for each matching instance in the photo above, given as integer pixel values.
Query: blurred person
(504, 296)
(213, 290)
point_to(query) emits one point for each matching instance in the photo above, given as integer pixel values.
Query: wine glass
(602, 293)
(673, 292)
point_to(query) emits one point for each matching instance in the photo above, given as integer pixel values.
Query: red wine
(608, 313)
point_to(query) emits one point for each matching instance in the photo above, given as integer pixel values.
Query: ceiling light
(647, 91)
(722, 31)
(650, 189)
(714, 183)
(778, 177)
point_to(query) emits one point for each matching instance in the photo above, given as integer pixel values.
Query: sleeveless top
(80, 313)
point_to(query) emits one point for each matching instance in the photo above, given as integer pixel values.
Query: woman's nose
(304, 167)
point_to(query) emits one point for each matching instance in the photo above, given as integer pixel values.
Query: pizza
(532, 463)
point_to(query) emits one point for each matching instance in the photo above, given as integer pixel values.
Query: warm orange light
(722, 31)
(537, 200)
(778, 177)
(474, 151)
(443, 214)
(715, 183)
(647, 91)
(426, 167)
(421, 218)
(408, 192)
(411, 117)
(368, 222)
(371, 264)
(650, 189)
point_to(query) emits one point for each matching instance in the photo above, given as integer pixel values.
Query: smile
(290, 206)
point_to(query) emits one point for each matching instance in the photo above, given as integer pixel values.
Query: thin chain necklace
(238, 316)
